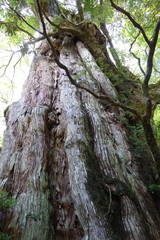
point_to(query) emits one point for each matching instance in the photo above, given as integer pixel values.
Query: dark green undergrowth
(6, 204)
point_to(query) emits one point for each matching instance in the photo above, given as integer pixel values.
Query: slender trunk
(66, 159)
(80, 10)
(152, 145)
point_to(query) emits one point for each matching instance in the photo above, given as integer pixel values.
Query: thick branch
(80, 10)
(135, 24)
(113, 50)
(151, 53)
(149, 70)
(155, 69)
(106, 33)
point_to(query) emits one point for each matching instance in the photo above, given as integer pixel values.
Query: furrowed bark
(67, 161)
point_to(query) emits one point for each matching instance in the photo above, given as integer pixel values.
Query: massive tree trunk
(67, 160)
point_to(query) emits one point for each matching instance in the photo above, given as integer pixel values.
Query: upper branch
(41, 18)
(149, 71)
(151, 53)
(135, 24)
(80, 10)
(113, 50)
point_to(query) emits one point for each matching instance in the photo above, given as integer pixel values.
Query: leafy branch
(22, 18)
(133, 21)
(80, 10)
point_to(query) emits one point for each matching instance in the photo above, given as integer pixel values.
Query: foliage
(154, 188)
(6, 203)
(137, 135)
(4, 236)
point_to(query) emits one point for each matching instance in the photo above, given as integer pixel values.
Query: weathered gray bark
(66, 159)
